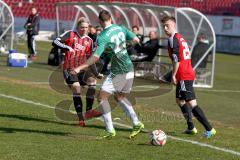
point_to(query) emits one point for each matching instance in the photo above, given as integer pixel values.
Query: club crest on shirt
(85, 43)
(79, 47)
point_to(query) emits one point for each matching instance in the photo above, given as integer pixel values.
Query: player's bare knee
(102, 96)
(180, 102)
(98, 99)
(119, 96)
(91, 81)
(75, 87)
(192, 103)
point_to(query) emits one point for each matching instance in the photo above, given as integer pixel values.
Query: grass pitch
(30, 129)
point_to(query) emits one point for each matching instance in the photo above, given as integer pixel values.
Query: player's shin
(106, 114)
(199, 114)
(78, 105)
(187, 113)
(128, 109)
(90, 96)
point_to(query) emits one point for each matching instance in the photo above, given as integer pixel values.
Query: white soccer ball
(158, 138)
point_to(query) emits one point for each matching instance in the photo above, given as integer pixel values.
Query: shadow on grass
(42, 65)
(26, 118)
(14, 130)
(172, 133)
(103, 127)
(145, 144)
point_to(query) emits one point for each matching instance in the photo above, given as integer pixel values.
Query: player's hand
(73, 72)
(76, 70)
(100, 76)
(71, 50)
(174, 80)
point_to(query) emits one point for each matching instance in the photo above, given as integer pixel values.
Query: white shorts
(120, 83)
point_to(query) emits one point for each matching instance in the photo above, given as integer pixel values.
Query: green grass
(29, 131)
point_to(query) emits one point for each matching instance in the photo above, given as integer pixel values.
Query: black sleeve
(175, 49)
(150, 47)
(25, 25)
(35, 22)
(175, 46)
(140, 37)
(59, 41)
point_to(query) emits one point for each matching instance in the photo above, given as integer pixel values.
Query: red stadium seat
(48, 11)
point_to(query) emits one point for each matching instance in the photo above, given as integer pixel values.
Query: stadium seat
(213, 6)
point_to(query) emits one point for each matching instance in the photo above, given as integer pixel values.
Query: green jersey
(113, 41)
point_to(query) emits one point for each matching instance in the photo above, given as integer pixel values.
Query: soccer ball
(158, 138)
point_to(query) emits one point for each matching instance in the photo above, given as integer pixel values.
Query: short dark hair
(98, 28)
(167, 18)
(202, 35)
(104, 16)
(135, 26)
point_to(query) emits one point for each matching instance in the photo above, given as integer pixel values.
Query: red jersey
(179, 51)
(83, 47)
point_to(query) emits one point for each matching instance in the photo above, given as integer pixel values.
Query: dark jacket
(93, 36)
(150, 48)
(140, 37)
(198, 52)
(34, 26)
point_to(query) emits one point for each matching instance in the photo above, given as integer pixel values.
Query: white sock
(106, 110)
(128, 109)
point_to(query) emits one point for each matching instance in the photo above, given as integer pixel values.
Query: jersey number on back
(186, 51)
(119, 41)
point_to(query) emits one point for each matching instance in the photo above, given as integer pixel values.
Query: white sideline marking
(206, 145)
(31, 102)
(215, 90)
(146, 86)
(47, 83)
(189, 141)
(127, 126)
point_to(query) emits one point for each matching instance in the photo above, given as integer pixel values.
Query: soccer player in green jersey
(119, 82)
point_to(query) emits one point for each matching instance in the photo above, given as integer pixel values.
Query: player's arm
(175, 60)
(94, 58)
(93, 67)
(27, 23)
(89, 62)
(59, 42)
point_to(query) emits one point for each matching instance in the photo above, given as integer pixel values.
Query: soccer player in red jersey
(183, 77)
(78, 47)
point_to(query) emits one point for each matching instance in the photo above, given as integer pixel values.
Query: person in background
(92, 33)
(132, 49)
(98, 30)
(199, 50)
(135, 29)
(150, 48)
(32, 27)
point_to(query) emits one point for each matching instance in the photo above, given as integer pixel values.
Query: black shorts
(80, 77)
(185, 90)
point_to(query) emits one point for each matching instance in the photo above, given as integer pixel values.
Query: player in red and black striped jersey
(78, 47)
(183, 77)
